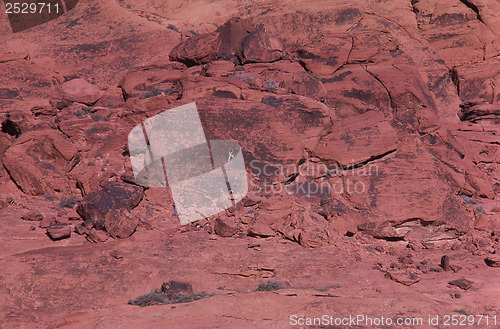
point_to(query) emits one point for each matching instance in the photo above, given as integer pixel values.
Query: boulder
(120, 223)
(37, 162)
(197, 50)
(231, 35)
(308, 228)
(108, 209)
(235, 38)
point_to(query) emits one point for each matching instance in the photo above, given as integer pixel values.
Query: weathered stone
(445, 263)
(261, 47)
(33, 216)
(97, 236)
(323, 60)
(231, 35)
(260, 229)
(79, 90)
(463, 284)
(44, 110)
(114, 196)
(225, 227)
(46, 222)
(406, 279)
(59, 231)
(196, 50)
(358, 139)
(154, 81)
(120, 223)
(116, 254)
(174, 289)
(38, 160)
(492, 261)
(81, 229)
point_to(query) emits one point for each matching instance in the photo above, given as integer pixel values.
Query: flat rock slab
(463, 284)
(260, 229)
(407, 279)
(79, 90)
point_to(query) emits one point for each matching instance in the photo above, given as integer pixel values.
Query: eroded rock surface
(370, 138)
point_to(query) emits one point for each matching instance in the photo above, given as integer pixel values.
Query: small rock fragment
(492, 261)
(46, 222)
(445, 263)
(59, 231)
(80, 229)
(33, 216)
(175, 288)
(73, 215)
(407, 279)
(44, 110)
(117, 254)
(424, 269)
(97, 236)
(463, 284)
(225, 227)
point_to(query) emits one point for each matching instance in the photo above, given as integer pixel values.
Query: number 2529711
(31, 8)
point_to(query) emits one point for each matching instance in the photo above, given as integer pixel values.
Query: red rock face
(370, 138)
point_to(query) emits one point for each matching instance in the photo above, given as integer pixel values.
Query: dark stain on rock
(346, 16)
(450, 19)
(337, 78)
(8, 93)
(224, 94)
(362, 95)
